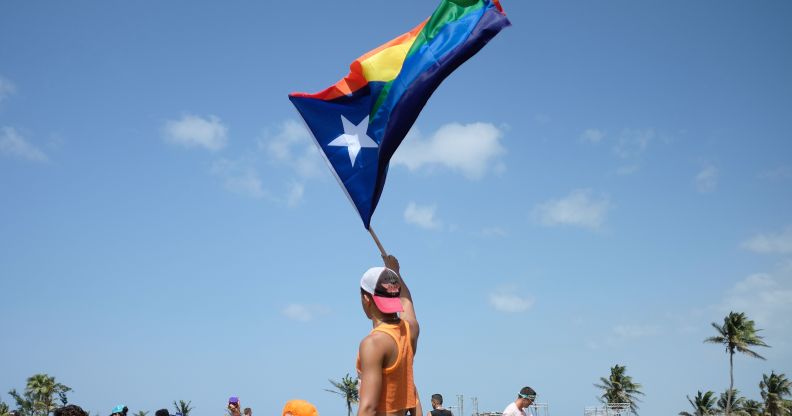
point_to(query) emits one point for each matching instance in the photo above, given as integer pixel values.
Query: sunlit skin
(378, 350)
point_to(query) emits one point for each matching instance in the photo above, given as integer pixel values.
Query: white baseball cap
(384, 286)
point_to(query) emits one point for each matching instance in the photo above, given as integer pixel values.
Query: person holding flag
(357, 124)
(385, 356)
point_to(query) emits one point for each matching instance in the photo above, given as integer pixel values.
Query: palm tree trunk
(731, 383)
(349, 408)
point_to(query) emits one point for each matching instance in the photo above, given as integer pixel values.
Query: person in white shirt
(525, 398)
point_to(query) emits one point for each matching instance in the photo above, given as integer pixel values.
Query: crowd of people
(292, 408)
(524, 399)
(385, 358)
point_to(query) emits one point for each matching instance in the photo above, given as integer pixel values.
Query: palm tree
(620, 388)
(703, 405)
(348, 389)
(4, 410)
(732, 401)
(736, 334)
(39, 395)
(140, 413)
(775, 388)
(753, 408)
(183, 408)
(24, 402)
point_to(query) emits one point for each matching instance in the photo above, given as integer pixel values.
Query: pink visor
(388, 305)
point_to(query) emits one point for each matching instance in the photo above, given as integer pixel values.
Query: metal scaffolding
(536, 409)
(610, 409)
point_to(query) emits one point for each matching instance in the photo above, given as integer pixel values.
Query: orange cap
(299, 408)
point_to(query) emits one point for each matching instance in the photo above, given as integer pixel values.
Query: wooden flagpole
(376, 240)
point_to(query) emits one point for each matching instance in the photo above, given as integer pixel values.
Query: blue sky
(594, 188)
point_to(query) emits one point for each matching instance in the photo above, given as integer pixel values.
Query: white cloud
(14, 145)
(292, 145)
(592, 136)
(422, 216)
(707, 179)
(6, 88)
(194, 131)
(505, 300)
(628, 146)
(579, 208)
(303, 313)
(780, 243)
(633, 143)
(291, 149)
(240, 178)
(471, 149)
(765, 298)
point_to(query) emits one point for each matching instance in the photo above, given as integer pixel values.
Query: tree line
(738, 334)
(43, 394)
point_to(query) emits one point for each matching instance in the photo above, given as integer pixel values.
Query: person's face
(525, 403)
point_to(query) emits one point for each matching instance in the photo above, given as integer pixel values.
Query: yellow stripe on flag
(386, 65)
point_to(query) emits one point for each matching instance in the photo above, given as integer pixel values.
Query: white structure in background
(610, 409)
(460, 407)
(537, 409)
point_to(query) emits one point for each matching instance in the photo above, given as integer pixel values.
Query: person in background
(162, 412)
(524, 399)
(120, 410)
(247, 412)
(299, 408)
(437, 407)
(233, 406)
(70, 410)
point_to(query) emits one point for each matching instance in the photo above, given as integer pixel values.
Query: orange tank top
(398, 384)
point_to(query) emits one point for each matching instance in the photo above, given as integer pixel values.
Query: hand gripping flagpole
(376, 240)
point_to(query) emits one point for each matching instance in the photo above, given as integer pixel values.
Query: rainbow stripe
(390, 85)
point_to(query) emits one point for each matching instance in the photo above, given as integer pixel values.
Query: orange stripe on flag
(355, 80)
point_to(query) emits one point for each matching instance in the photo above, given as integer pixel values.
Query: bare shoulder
(375, 341)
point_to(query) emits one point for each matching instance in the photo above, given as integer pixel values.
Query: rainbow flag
(360, 121)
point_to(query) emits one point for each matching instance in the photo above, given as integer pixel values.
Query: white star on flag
(354, 138)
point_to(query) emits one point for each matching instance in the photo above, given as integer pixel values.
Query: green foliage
(775, 388)
(620, 388)
(183, 407)
(38, 398)
(4, 410)
(24, 402)
(753, 408)
(732, 401)
(737, 334)
(140, 413)
(348, 389)
(703, 405)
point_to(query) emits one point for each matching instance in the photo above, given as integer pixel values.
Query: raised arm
(406, 299)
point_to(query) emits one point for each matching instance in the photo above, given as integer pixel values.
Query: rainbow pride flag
(360, 121)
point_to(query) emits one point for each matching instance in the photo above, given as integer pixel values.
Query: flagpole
(376, 240)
